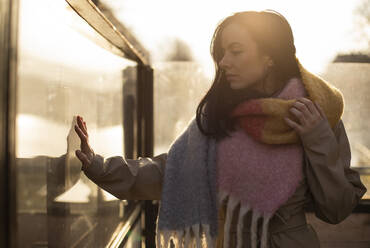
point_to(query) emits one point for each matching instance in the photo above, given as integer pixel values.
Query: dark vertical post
(129, 96)
(8, 75)
(145, 141)
(145, 110)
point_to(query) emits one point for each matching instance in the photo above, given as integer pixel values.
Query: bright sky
(321, 27)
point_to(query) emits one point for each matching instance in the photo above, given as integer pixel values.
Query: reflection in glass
(63, 73)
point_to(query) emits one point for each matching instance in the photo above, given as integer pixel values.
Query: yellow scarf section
(330, 99)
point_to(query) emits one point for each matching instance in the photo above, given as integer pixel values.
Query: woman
(267, 140)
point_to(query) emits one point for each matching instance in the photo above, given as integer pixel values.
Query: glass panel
(353, 81)
(63, 72)
(178, 89)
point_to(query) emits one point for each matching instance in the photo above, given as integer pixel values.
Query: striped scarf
(201, 173)
(262, 179)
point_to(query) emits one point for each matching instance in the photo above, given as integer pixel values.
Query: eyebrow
(233, 43)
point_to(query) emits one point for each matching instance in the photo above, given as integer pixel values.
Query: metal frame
(116, 34)
(122, 231)
(145, 137)
(8, 74)
(145, 110)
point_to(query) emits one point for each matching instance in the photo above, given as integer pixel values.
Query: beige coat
(330, 185)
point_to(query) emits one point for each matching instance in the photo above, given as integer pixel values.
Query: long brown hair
(274, 37)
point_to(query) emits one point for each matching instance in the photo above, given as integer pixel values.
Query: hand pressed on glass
(86, 154)
(309, 114)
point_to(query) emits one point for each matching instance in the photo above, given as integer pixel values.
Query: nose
(224, 63)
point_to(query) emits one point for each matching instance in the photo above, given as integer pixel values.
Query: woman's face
(242, 62)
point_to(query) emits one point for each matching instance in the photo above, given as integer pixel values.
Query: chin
(238, 86)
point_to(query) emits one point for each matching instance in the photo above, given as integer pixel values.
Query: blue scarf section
(188, 210)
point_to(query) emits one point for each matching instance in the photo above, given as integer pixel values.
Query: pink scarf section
(260, 177)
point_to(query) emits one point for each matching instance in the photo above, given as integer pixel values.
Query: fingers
(81, 134)
(322, 113)
(82, 125)
(81, 129)
(308, 113)
(293, 124)
(309, 105)
(83, 158)
(300, 115)
(302, 107)
(310, 110)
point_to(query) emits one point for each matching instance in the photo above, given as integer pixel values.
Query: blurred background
(136, 76)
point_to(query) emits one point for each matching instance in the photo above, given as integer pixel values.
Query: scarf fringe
(266, 220)
(242, 214)
(196, 236)
(231, 204)
(256, 215)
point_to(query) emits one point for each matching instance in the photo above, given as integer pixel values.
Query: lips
(231, 76)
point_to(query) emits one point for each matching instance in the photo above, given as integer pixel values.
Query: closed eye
(236, 52)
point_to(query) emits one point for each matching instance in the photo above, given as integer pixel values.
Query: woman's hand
(308, 113)
(86, 154)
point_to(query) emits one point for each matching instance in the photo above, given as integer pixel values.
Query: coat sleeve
(336, 188)
(131, 179)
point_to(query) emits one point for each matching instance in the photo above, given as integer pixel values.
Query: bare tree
(179, 51)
